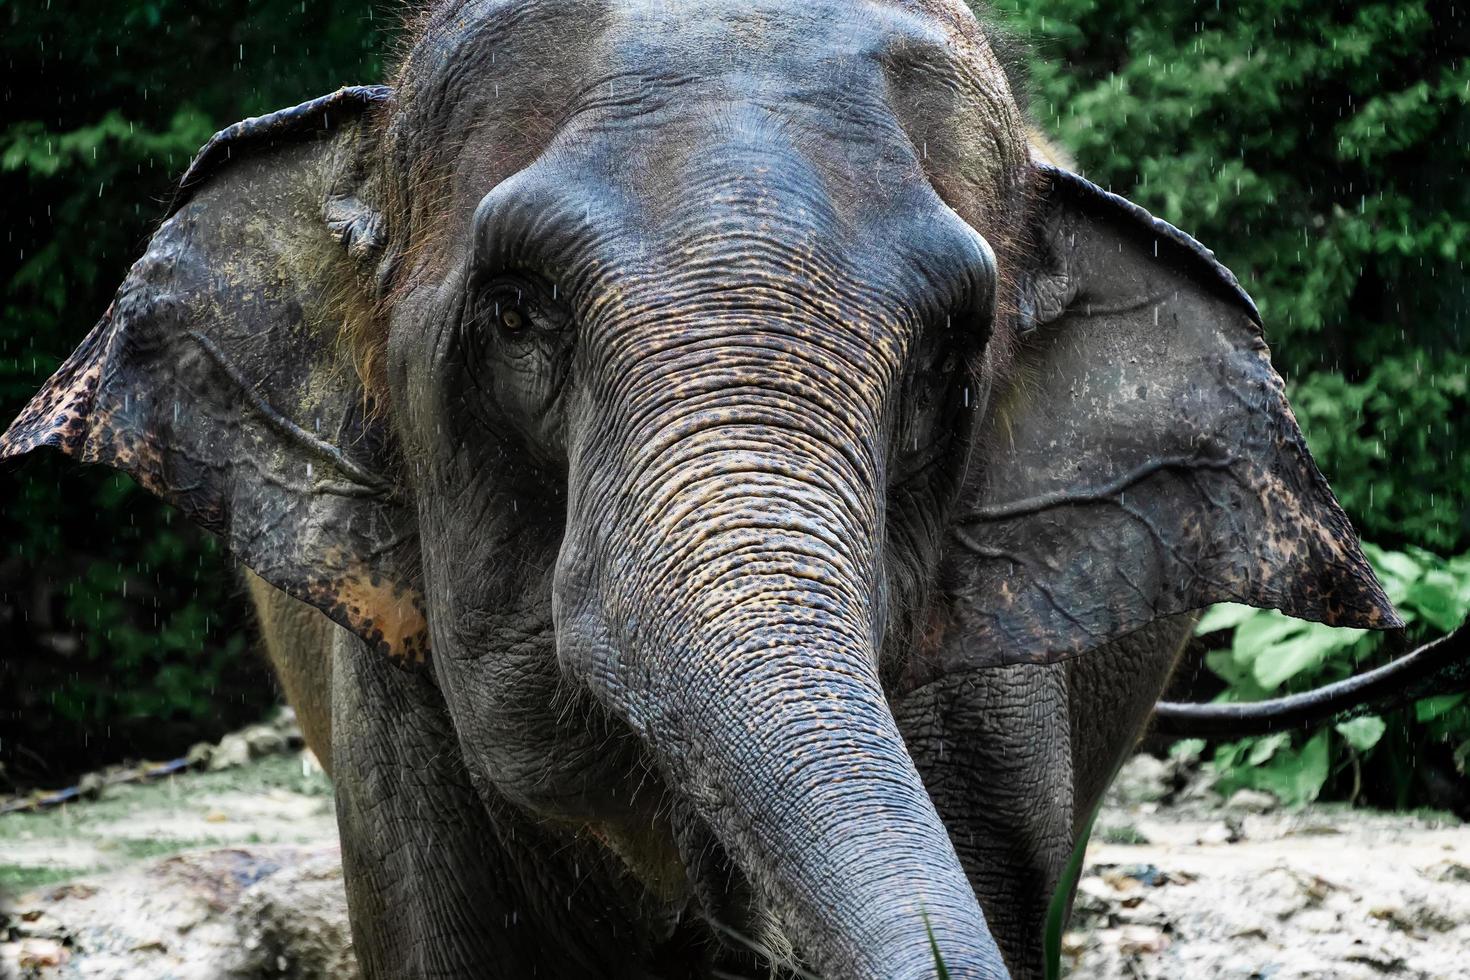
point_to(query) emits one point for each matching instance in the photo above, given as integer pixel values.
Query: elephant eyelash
(513, 308)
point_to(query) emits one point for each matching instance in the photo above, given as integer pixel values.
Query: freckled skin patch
(386, 614)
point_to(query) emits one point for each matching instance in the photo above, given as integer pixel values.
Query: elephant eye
(516, 307)
(512, 320)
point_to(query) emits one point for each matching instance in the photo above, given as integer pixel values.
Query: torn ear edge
(175, 334)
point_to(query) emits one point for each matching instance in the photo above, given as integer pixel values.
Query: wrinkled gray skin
(766, 505)
(1016, 758)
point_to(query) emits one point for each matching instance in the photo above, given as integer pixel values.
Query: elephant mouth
(747, 930)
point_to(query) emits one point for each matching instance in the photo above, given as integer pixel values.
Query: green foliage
(1271, 654)
(1061, 899)
(1321, 150)
(1396, 445)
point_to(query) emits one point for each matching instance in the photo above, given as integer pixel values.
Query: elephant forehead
(489, 88)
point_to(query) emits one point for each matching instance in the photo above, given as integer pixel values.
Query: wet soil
(235, 875)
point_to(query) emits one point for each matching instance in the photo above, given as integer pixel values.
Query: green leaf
(1261, 635)
(1187, 749)
(1312, 770)
(1224, 616)
(939, 966)
(1436, 596)
(1393, 564)
(1362, 733)
(1056, 913)
(1301, 651)
(1222, 664)
(1296, 778)
(1429, 709)
(1266, 747)
(1228, 754)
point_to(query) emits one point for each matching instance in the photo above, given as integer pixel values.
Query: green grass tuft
(939, 967)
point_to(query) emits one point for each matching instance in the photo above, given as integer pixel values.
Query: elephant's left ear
(215, 378)
(1141, 460)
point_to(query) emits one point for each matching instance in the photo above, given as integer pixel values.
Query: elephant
(748, 501)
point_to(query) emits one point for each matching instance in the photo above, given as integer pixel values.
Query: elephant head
(675, 383)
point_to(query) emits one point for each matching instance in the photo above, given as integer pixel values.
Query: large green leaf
(1362, 733)
(1440, 597)
(1431, 708)
(1261, 636)
(1224, 616)
(1262, 749)
(1296, 778)
(1300, 649)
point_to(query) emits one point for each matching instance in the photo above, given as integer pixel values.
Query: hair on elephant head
(673, 385)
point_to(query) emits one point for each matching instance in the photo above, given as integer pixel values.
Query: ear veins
(285, 426)
(1101, 494)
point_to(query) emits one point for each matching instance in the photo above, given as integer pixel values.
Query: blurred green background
(1320, 148)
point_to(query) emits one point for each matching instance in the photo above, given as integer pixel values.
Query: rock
(1251, 801)
(1376, 955)
(199, 755)
(1448, 871)
(37, 953)
(1392, 912)
(1121, 880)
(1280, 894)
(90, 786)
(1143, 779)
(241, 913)
(263, 740)
(1429, 917)
(1322, 921)
(1094, 898)
(231, 753)
(294, 924)
(1218, 833)
(285, 723)
(1135, 940)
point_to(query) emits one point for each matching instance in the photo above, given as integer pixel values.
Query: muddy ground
(233, 874)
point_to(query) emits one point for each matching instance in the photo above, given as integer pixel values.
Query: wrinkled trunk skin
(719, 588)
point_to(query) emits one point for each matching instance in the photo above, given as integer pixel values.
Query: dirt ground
(234, 874)
(1243, 889)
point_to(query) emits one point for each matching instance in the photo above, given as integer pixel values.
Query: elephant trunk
(720, 589)
(783, 739)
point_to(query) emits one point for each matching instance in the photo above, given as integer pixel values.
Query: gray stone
(1251, 801)
(231, 753)
(199, 755)
(1143, 779)
(263, 740)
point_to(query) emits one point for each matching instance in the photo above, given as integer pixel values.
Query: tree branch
(1440, 667)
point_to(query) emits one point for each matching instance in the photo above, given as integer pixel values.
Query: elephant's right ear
(216, 377)
(1140, 459)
